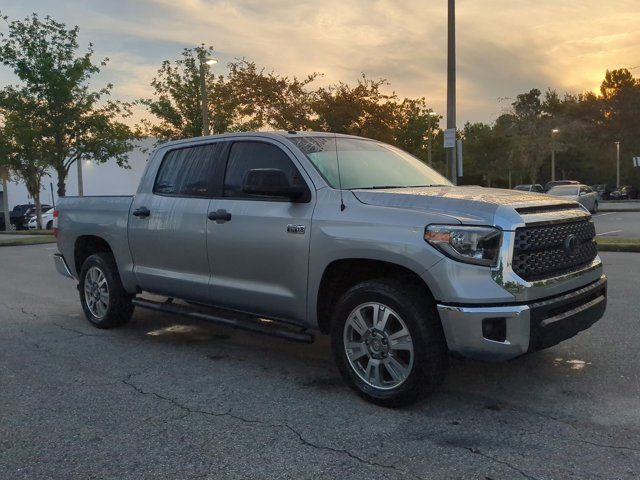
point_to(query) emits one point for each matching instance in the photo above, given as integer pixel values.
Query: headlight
(477, 245)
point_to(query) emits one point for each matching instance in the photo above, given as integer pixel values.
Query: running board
(242, 322)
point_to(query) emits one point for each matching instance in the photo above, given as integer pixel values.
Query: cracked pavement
(165, 399)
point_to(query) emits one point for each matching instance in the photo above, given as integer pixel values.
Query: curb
(27, 241)
(607, 210)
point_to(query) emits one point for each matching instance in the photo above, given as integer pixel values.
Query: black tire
(595, 208)
(119, 307)
(49, 225)
(419, 314)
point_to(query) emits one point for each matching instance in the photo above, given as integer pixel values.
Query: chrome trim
(61, 265)
(463, 331)
(523, 290)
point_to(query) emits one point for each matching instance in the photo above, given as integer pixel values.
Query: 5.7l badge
(299, 229)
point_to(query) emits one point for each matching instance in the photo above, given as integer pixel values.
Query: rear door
(168, 225)
(259, 256)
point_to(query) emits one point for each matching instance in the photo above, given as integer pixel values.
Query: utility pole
(80, 186)
(617, 164)
(451, 89)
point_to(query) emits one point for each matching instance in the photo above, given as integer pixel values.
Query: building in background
(98, 179)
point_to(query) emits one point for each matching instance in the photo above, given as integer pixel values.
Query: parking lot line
(607, 233)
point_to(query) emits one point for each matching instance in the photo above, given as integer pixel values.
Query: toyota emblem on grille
(571, 245)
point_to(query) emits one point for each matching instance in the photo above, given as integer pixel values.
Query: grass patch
(617, 244)
(32, 240)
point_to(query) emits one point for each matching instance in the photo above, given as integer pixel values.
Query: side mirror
(271, 182)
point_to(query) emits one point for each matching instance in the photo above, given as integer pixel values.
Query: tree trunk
(5, 204)
(36, 197)
(62, 178)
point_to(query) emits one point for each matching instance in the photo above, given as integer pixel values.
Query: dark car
(625, 192)
(529, 187)
(549, 185)
(21, 214)
(603, 190)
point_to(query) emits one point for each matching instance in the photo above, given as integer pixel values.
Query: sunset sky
(504, 46)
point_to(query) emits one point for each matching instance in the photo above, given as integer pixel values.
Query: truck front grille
(545, 251)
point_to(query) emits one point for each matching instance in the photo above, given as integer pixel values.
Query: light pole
(431, 115)
(451, 88)
(617, 164)
(204, 103)
(553, 153)
(80, 185)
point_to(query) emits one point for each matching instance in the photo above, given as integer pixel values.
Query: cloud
(505, 47)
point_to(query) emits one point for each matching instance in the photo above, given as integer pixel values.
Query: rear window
(564, 191)
(187, 172)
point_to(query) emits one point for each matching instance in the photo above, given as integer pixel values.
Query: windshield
(366, 164)
(565, 191)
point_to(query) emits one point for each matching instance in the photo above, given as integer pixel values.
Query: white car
(47, 220)
(583, 194)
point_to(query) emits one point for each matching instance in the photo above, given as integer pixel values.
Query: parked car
(582, 194)
(549, 185)
(535, 187)
(21, 214)
(389, 258)
(47, 220)
(625, 192)
(603, 190)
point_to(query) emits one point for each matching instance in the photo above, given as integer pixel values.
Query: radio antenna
(342, 205)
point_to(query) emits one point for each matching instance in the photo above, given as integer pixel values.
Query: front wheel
(388, 342)
(105, 302)
(595, 208)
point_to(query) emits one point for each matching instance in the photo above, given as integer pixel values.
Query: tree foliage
(74, 121)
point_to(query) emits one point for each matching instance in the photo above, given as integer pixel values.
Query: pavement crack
(228, 413)
(604, 445)
(77, 332)
(477, 451)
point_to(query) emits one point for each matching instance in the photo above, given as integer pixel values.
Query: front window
(564, 191)
(366, 164)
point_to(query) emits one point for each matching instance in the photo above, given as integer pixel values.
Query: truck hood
(469, 205)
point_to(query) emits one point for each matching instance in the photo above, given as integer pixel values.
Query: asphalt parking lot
(159, 399)
(618, 224)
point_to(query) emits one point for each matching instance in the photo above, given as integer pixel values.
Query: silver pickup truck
(291, 234)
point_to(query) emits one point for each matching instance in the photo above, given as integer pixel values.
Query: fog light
(495, 329)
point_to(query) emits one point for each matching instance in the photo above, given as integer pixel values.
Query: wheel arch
(87, 245)
(342, 274)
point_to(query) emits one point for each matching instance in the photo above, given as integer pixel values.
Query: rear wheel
(104, 300)
(50, 225)
(595, 208)
(388, 342)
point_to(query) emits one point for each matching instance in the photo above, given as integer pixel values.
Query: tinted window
(564, 191)
(187, 171)
(245, 156)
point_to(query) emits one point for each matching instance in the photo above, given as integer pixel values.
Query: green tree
(22, 146)
(76, 122)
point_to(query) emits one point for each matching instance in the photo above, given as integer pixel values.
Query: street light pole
(617, 164)
(451, 88)
(431, 115)
(553, 154)
(80, 185)
(204, 102)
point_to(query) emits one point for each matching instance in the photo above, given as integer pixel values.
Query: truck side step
(240, 321)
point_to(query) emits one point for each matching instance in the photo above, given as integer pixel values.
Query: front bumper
(61, 265)
(528, 326)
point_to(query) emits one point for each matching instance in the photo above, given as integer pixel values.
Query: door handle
(141, 212)
(220, 216)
